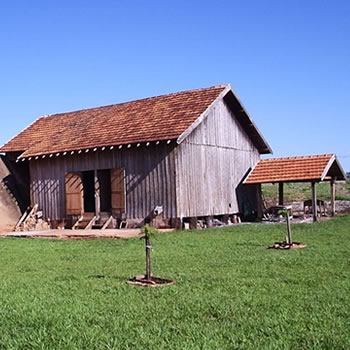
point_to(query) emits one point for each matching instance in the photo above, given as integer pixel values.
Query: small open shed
(311, 169)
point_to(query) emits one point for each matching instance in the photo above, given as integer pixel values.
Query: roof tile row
(304, 168)
(151, 119)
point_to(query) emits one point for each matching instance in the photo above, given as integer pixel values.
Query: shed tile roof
(151, 119)
(290, 169)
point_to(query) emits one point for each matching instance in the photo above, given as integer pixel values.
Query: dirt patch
(80, 234)
(141, 281)
(285, 246)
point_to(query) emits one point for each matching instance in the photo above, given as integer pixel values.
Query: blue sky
(288, 61)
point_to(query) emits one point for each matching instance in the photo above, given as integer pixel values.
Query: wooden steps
(88, 221)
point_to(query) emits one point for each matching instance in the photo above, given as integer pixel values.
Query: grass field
(231, 292)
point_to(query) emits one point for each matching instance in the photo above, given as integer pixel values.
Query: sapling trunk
(148, 257)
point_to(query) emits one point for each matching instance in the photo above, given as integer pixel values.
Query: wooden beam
(106, 224)
(332, 198)
(314, 201)
(91, 223)
(280, 193)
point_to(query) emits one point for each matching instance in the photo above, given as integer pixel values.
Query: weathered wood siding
(149, 178)
(210, 164)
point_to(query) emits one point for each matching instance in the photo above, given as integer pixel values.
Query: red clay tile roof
(290, 169)
(157, 118)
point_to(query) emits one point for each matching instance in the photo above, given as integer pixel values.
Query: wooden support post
(97, 195)
(177, 223)
(209, 221)
(332, 197)
(314, 201)
(193, 223)
(280, 193)
(259, 203)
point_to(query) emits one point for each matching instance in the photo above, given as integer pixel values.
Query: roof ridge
(299, 157)
(141, 99)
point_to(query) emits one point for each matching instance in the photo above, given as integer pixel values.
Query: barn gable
(211, 162)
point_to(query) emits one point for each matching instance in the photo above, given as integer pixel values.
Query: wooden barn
(169, 159)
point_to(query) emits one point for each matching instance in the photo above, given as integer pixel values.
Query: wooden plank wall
(149, 175)
(210, 164)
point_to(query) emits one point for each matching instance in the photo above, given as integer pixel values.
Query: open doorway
(95, 191)
(88, 180)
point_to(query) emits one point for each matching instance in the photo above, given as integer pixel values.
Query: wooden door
(118, 191)
(74, 194)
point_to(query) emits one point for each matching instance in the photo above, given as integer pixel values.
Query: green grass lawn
(231, 292)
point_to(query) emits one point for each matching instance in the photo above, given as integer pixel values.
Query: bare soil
(285, 246)
(80, 234)
(141, 281)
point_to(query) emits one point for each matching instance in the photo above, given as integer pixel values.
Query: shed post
(332, 197)
(97, 194)
(280, 193)
(314, 201)
(259, 202)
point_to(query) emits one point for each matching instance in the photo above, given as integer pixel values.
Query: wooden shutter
(74, 194)
(118, 191)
